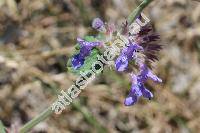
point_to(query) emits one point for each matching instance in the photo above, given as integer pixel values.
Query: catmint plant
(134, 59)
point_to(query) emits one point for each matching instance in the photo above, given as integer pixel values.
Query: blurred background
(37, 38)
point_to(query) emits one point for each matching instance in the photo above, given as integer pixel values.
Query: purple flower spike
(138, 89)
(98, 24)
(85, 50)
(139, 51)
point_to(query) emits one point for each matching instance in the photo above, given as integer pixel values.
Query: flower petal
(85, 50)
(97, 24)
(121, 63)
(145, 92)
(153, 77)
(135, 90)
(130, 100)
(87, 44)
(134, 79)
(77, 61)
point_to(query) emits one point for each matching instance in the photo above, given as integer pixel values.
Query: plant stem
(41, 117)
(2, 128)
(134, 14)
(46, 113)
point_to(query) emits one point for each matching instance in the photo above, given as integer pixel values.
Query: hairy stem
(134, 14)
(46, 113)
(41, 117)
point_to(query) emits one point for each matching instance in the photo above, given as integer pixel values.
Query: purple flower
(146, 73)
(98, 24)
(127, 54)
(85, 50)
(142, 49)
(138, 89)
(121, 63)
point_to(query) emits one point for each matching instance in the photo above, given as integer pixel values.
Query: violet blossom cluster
(136, 58)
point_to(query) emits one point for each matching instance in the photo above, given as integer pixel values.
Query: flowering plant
(135, 57)
(140, 51)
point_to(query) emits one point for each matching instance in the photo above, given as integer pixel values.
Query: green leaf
(2, 128)
(92, 58)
